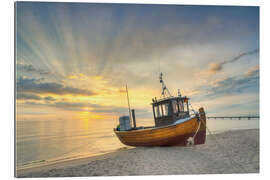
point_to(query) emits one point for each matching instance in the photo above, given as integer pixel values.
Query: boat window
(186, 106)
(157, 112)
(166, 109)
(160, 110)
(175, 107)
(181, 106)
(163, 110)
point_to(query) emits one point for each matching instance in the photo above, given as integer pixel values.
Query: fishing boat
(175, 123)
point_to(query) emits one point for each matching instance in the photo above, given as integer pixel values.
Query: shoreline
(67, 162)
(48, 162)
(129, 153)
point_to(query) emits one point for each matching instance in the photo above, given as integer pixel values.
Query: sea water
(41, 142)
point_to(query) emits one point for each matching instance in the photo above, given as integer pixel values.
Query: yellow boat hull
(176, 134)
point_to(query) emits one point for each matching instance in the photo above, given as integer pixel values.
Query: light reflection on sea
(49, 141)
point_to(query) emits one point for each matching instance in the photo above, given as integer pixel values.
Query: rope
(197, 129)
(191, 139)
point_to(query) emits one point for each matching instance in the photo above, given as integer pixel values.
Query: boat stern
(201, 135)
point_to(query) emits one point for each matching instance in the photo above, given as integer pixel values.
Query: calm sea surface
(40, 142)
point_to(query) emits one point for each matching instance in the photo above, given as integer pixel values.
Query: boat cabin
(168, 110)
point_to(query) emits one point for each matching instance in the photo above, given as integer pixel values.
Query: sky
(73, 60)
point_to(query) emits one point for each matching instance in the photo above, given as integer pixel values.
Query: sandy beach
(236, 152)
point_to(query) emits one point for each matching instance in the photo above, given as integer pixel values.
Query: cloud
(65, 42)
(233, 104)
(24, 96)
(82, 106)
(70, 106)
(230, 86)
(31, 69)
(216, 67)
(49, 98)
(123, 43)
(241, 55)
(28, 96)
(90, 107)
(253, 71)
(31, 85)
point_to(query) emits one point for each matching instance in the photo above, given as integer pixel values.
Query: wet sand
(224, 153)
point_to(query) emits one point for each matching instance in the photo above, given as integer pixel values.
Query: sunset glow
(73, 61)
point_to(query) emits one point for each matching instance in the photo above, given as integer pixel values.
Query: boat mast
(128, 102)
(164, 88)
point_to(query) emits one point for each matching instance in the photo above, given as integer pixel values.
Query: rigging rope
(191, 139)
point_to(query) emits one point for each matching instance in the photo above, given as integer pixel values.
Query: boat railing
(193, 113)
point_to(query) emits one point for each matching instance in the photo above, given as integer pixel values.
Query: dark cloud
(28, 96)
(241, 55)
(233, 85)
(31, 69)
(24, 96)
(49, 98)
(69, 106)
(229, 86)
(31, 85)
(216, 67)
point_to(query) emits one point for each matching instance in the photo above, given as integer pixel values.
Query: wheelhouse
(167, 111)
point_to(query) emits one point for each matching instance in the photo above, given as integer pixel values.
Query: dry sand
(237, 152)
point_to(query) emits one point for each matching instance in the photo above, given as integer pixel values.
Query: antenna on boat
(158, 66)
(179, 93)
(128, 102)
(164, 88)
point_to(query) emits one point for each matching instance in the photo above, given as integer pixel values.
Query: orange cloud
(214, 68)
(253, 70)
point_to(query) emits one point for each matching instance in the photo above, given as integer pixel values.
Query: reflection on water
(48, 140)
(44, 141)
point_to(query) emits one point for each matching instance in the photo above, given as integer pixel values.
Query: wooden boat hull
(176, 134)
